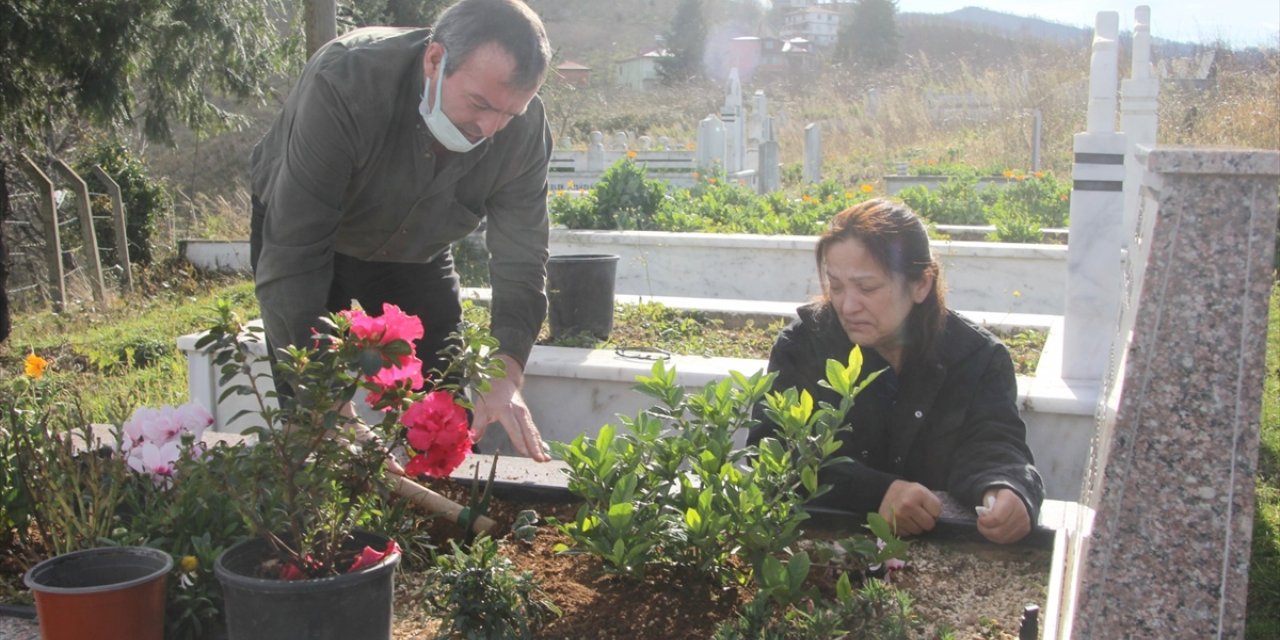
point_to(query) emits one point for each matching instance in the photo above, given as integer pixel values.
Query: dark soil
(976, 590)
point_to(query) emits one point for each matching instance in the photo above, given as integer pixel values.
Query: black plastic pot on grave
(580, 294)
(352, 605)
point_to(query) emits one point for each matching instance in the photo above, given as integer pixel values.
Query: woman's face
(872, 303)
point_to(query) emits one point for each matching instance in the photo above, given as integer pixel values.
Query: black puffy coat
(953, 427)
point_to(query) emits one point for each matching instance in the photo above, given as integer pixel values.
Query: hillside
(870, 119)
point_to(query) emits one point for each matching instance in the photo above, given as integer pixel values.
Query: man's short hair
(469, 24)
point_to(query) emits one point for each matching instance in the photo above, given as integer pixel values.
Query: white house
(817, 24)
(641, 72)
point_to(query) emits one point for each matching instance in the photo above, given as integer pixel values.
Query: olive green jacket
(349, 167)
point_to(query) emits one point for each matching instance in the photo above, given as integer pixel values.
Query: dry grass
(1240, 110)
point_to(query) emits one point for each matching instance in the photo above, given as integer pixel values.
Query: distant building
(641, 72)
(817, 24)
(574, 73)
(752, 54)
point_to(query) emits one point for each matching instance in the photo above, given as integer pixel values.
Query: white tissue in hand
(983, 509)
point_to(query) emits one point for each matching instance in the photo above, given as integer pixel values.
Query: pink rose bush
(318, 466)
(439, 433)
(380, 337)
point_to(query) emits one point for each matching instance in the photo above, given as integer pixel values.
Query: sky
(1239, 23)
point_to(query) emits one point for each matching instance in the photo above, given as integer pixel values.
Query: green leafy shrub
(1041, 196)
(675, 489)
(477, 594)
(627, 199)
(573, 209)
(956, 201)
(1027, 205)
(146, 200)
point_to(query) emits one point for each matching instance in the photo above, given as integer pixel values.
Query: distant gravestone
(770, 174)
(711, 145)
(595, 152)
(1161, 545)
(812, 153)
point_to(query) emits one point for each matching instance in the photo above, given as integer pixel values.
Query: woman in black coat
(943, 416)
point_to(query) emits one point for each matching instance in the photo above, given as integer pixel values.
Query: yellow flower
(632, 153)
(559, 192)
(867, 188)
(848, 195)
(711, 180)
(34, 366)
(1017, 294)
(1038, 174)
(1008, 173)
(1019, 177)
(690, 146)
(189, 564)
(568, 184)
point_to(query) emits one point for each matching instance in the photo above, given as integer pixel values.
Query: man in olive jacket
(394, 144)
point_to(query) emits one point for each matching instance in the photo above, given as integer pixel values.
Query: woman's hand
(1006, 519)
(910, 508)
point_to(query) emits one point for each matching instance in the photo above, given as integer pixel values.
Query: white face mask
(440, 125)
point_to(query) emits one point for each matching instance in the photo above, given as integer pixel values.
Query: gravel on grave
(18, 629)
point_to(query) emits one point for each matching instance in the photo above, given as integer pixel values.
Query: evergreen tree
(869, 35)
(123, 63)
(685, 42)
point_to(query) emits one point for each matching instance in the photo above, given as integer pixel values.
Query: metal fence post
(90, 239)
(121, 225)
(49, 216)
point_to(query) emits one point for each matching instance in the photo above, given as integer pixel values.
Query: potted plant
(318, 471)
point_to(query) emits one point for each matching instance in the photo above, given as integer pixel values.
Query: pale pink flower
(194, 419)
(157, 461)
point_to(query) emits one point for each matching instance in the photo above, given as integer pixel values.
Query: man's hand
(504, 404)
(910, 507)
(1006, 519)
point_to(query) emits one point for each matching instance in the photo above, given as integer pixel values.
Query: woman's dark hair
(469, 24)
(896, 238)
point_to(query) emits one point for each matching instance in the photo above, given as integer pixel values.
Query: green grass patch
(1263, 618)
(125, 356)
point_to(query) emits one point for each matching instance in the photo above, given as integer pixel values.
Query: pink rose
(438, 433)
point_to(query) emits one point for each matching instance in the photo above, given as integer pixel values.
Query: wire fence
(34, 256)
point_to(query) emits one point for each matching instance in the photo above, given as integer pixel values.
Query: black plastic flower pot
(580, 294)
(353, 605)
(112, 593)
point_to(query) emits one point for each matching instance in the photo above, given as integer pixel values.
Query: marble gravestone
(1161, 544)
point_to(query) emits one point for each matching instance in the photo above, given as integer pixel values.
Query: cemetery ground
(125, 357)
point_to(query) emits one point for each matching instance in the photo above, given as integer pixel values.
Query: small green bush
(478, 594)
(146, 199)
(956, 201)
(626, 198)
